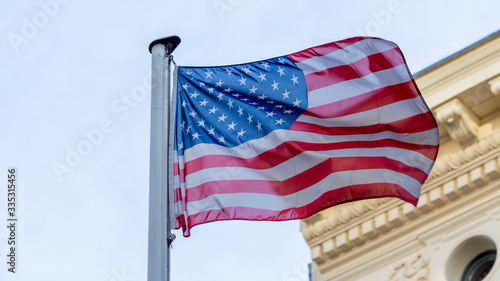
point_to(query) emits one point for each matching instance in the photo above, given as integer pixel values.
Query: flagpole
(159, 236)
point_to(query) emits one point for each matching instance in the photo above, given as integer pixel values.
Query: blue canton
(230, 105)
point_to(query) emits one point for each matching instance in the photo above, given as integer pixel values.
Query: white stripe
(349, 54)
(303, 197)
(301, 163)
(255, 147)
(280, 172)
(355, 87)
(179, 209)
(383, 115)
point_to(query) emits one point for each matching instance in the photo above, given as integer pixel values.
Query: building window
(480, 266)
(472, 260)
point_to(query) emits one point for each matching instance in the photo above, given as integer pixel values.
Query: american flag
(286, 137)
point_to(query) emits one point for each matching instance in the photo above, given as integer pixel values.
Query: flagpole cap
(170, 42)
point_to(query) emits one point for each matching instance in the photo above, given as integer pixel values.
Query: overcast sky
(75, 121)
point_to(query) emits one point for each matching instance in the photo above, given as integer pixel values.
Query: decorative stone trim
(462, 125)
(414, 269)
(453, 161)
(495, 86)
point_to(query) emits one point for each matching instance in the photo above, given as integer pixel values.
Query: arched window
(480, 266)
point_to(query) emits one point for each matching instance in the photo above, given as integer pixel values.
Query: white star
(213, 110)
(208, 73)
(281, 71)
(262, 77)
(221, 139)
(204, 102)
(188, 72)
(240, 110)
(252, 91)
(220, 96)
(180, 145)
(229, 72)
(296, 102)
(294, 79)
(281, 60)
(262, 97)
(270, 114)
(243, 81)
(222, 118)
(246, 69)
(210, 90)
(285, 94)
(250, 119)
(185, 86)
(195, 95)
(182, 125)
(289, 111)
(188, 129)
(245, 99)
(211, 131)
(201, 123)
(202, 84)
(265, 65)
(236, 95)
(261, 108)
(192, 113)
(275, 85)
(230, 104)
(279, 121)
(228, 90)
(184, 103)
(219, 83)
(196, 135)
(231, 126)
(240, 133)
(278, 106)
(270, 101)
(259, 126)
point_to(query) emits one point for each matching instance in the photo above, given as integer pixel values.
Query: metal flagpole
(159, 236)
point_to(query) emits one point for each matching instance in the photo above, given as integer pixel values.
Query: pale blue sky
(74, 74)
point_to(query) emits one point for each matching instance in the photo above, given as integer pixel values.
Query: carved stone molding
(462, 125)
(415, 268)
(456, 160)
(495, 86)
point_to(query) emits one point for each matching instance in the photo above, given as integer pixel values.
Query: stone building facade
(455, 229)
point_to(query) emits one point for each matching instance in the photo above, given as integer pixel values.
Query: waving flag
(286, 137)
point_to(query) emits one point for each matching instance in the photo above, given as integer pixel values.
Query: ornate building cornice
(460, 123)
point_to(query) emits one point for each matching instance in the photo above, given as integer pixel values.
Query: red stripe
(326, 200)
(415, 124)
(366, 101)
(357, 69)
(324, 49)
(290, 149)
(180, 221)
(176, 169)
(177, 195)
